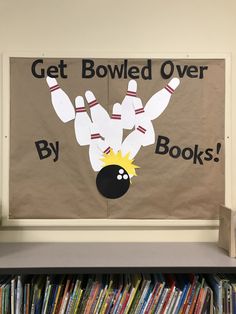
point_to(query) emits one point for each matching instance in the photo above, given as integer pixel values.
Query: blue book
(216, 284)
(51, 298)
(183, 296)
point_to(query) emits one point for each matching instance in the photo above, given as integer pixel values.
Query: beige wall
(106, 26)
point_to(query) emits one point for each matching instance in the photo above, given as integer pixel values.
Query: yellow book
(104, 308)
(78, 300)
(75, 295)
(133, 293)
(57, 298)
(98, 301)
(104, 304)
(124, 296)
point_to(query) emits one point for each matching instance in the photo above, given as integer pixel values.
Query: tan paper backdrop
(165, 187)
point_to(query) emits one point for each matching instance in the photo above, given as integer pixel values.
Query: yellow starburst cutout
(117, 159)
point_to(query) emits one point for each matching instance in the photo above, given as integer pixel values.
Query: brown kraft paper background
(164, 188)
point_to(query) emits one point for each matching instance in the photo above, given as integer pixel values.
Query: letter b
(43, 150)
(87, 68)
(162, 145)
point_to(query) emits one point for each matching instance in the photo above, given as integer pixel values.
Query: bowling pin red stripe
(107, 150)
(140, 110)
(116, 116)
(169, 89)
(129, 93)
(93, 103)
(53, 88)
(141, 129)
(95, 136)
(80, 109)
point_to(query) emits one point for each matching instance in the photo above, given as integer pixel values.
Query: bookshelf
(59, 258)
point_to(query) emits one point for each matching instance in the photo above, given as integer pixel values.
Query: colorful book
(195, 297)
(216, 283)
(170, 280)
(7, 298)
(64, 300)
(171, 306)
(207, 306)
(157, 297)
(73, 295)
(183, 297)
(13, 284)
(177, 302)
(86, 294)
(135, 285)
(77, 303)
(95, 297)
(162, 300)
(191, 294)
(146, 297)
(201, 297)
(117, 298)
(57, 304)
(106, 297)
(151, 297)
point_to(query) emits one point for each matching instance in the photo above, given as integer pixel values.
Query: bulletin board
(116, 138)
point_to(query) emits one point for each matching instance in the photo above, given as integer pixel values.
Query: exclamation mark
(218, 147)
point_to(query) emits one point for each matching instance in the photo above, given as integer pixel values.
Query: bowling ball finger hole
(112, 181)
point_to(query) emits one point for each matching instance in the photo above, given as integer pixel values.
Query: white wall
(125, 26)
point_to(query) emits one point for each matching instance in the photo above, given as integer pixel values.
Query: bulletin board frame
(107, 223)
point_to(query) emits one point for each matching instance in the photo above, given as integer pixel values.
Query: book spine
(13, 296)
(167, 299)
(55, 306)
(98, 301)
(78, 300)
(146, 300)
(72, 297)
(151, 300)
(47, 299)
(8, 302)
(199, 301)
(64, 297)
(195, 298)
(172, 303)
(95, 298)
(65, 302)
(45, 295)
(118, 303)
(157, 297)
(177, 302)
(145, 290)
(132, 294)
(102, 299)
(183, 296)
(1, 299)
(162, 300)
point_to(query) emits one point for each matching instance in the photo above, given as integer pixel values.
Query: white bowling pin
(104, 147)
(82, 123)
(132, 144)
(127, 109)
(97, 149)
(98, 113)
(60, 101)
(160, 100)
(115, 134)
(143, 124)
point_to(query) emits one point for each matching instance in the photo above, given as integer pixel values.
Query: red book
(171, 283)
